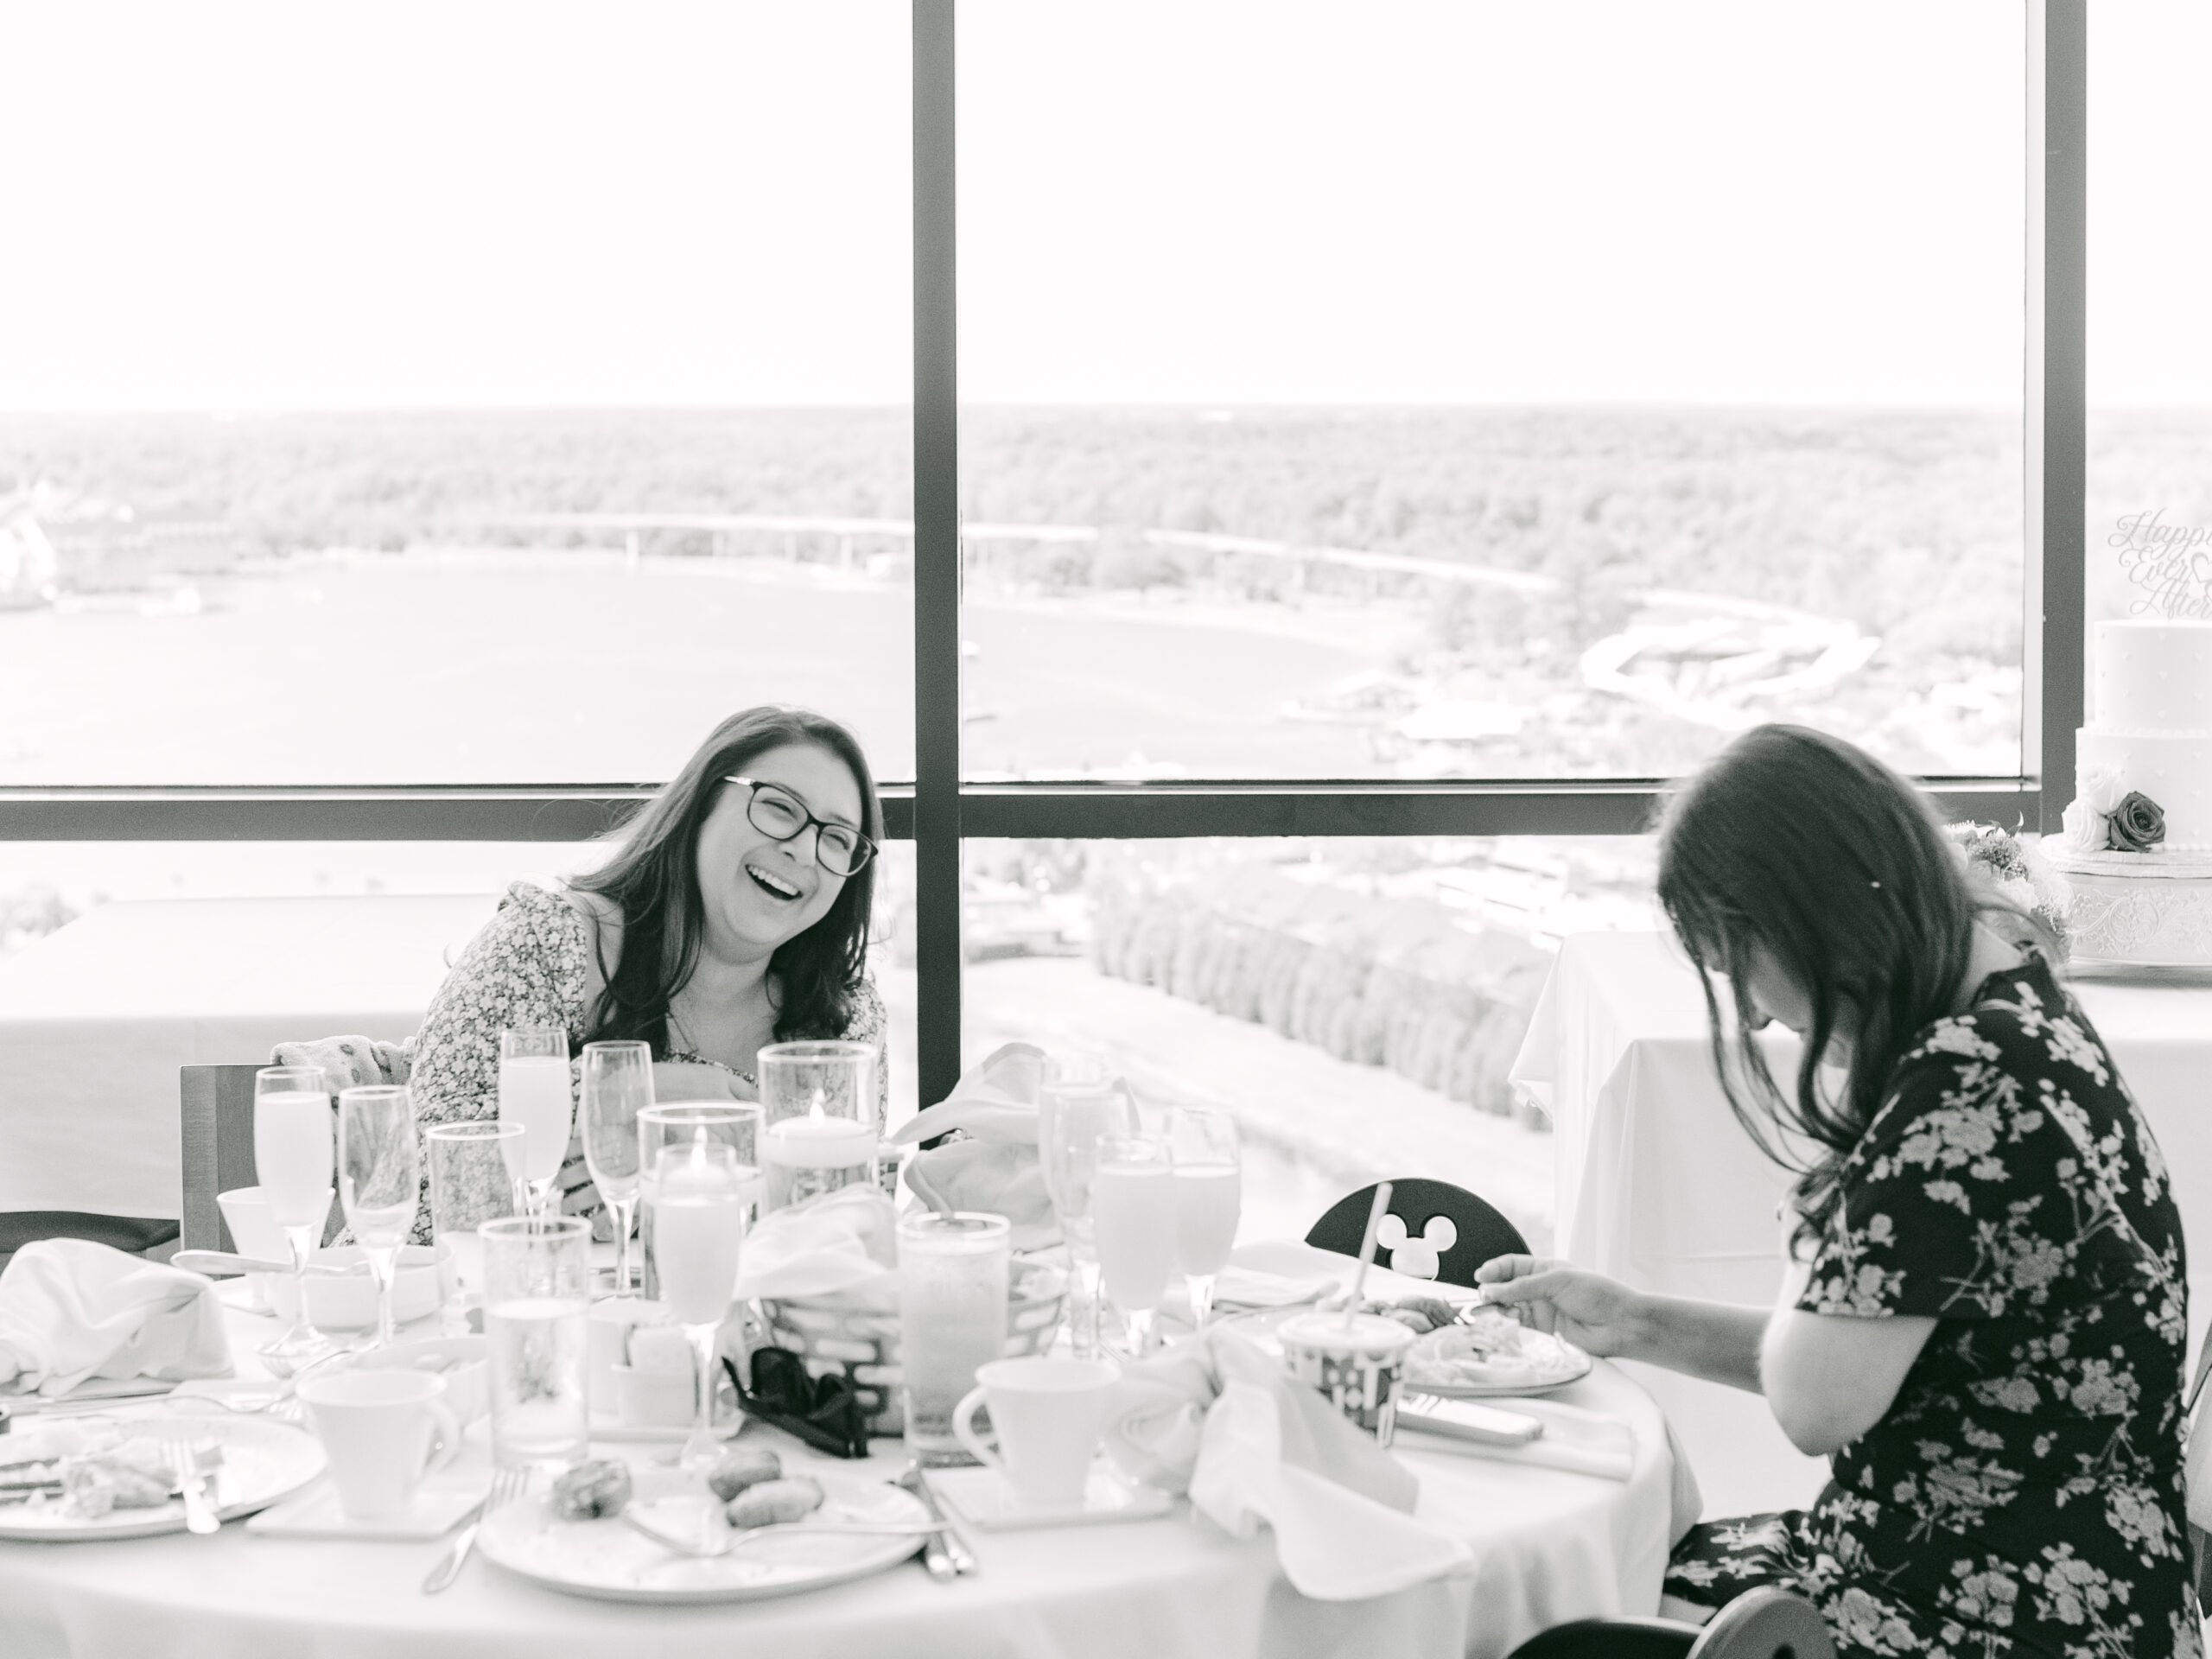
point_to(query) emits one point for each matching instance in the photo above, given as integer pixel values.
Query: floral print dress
(2024, 1494)
(529, 966)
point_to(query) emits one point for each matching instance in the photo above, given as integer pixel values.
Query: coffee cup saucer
(442, 1498)
(985, 1498)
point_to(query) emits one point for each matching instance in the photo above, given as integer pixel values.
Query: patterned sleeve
(868, 1023)
(1964, 1201)
(525, 968)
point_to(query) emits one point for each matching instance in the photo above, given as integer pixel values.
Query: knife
(944, 1555)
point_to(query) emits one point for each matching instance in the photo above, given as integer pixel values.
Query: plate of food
(599, 1531)
(80, 1478)
(1488, 1352)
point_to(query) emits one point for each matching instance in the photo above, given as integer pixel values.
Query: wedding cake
(2136, 854)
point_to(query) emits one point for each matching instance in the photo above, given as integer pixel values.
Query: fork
(715, 1540)
(506, 1485)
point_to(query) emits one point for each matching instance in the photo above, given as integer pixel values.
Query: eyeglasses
(780, 815)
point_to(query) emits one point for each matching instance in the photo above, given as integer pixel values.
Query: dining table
(1544, 1546)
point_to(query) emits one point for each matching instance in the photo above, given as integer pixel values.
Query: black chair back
(217, 1104)
(1477, 1232)
(1763, 1623)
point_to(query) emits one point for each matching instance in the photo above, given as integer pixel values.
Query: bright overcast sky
(233, 205)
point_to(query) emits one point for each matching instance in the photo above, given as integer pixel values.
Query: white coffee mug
(1050, 1414)
(383, 1430)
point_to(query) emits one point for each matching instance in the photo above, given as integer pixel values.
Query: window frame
(938, 811)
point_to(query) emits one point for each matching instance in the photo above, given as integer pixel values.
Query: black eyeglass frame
(863, 844)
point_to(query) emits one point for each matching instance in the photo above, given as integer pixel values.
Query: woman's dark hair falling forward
(654, 881)
(1797, 843)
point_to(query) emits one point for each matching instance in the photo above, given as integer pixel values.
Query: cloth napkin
(1214, 1416)
(995, 1167)
(845, 1243)
(1583, 1442)
(71, 1309)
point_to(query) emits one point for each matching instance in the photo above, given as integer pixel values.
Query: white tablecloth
(95, 1021)
(1548, 1546)
(1658, 1185)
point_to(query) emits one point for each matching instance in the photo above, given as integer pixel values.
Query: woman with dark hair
(1983, 1317)
(734, 915)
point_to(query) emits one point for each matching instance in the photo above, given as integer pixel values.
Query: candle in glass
(818, 1154)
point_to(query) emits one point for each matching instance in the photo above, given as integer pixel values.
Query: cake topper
(2172, 563)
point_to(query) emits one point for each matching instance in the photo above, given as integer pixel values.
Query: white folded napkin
(845, 1243)
(994, 1168)
(1216, 1416)
(71, 1309)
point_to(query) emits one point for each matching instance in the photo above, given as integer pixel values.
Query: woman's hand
(1600, 1315)
(676, 1081)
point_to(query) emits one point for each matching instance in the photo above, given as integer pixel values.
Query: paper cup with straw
(1357, 1359)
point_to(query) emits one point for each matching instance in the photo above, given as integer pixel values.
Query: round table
(1547, 1547)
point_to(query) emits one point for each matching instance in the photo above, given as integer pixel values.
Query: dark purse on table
(826, 1411)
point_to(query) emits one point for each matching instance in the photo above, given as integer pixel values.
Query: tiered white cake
(2148, 743)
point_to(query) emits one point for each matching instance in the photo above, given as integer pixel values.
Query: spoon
(213, 1261)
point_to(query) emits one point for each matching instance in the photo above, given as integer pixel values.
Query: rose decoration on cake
(2136, 825)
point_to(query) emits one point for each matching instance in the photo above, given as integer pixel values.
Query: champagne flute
(534, 1092)
(698, 1227)
(1080, 1104)
(292, 1161)
(1209, 1200)
(1133, 1192)
(618, 1084)
(380, 1181)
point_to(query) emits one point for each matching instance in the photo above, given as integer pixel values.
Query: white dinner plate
(1579, 1368)
(614, 1562)
(1550, 1363)
(262, 1463)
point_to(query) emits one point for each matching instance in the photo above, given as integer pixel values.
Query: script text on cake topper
(2172, 563)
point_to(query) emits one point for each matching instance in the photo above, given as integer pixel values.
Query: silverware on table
(192, 1463)
(944, 1552)
(715, 1539)
(506, 1485)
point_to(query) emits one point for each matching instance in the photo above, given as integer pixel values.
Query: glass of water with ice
(536, 1299)
(952, 1292)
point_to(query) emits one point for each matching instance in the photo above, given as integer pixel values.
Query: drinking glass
(534, 1092)
(292, 1157)
(380, 1181)
(471, 1181)
(618, 1084)
(952, 1291)
(1209, 1200)
(698, 1227)
(1081, 1103)
(1133, 1192)
(536, 1300)
(735, 1124)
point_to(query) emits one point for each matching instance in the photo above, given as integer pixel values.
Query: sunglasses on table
(781, 816)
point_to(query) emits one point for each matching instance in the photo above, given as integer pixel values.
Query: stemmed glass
(1209, 1200)
(698, 1227)
(380, 1181)
(618, 1084)
(1080, 1104)
(534, 1092)
(1133, 1194)
(292, 1161)
(734, 1124)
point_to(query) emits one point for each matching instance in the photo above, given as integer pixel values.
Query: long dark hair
(1797, 843)
(654, 882)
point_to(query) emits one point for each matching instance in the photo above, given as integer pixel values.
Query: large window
(1201, 447)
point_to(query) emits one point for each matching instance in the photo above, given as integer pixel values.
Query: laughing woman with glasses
(734, 914)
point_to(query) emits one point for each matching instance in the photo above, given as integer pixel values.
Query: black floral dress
(2024, 1494)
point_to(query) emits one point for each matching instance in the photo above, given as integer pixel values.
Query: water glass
(952, 1292)
(618, 1084)
(1133, 1194)
(1209, 1200)
(735, 1124)
(474, 1177)
(537, 1303)
(380, 1181)
(534, 1092)
(699, 1201)
(292, 1155)
(1080, 1104)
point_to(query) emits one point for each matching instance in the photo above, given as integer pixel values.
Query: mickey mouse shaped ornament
(1417, 1258)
